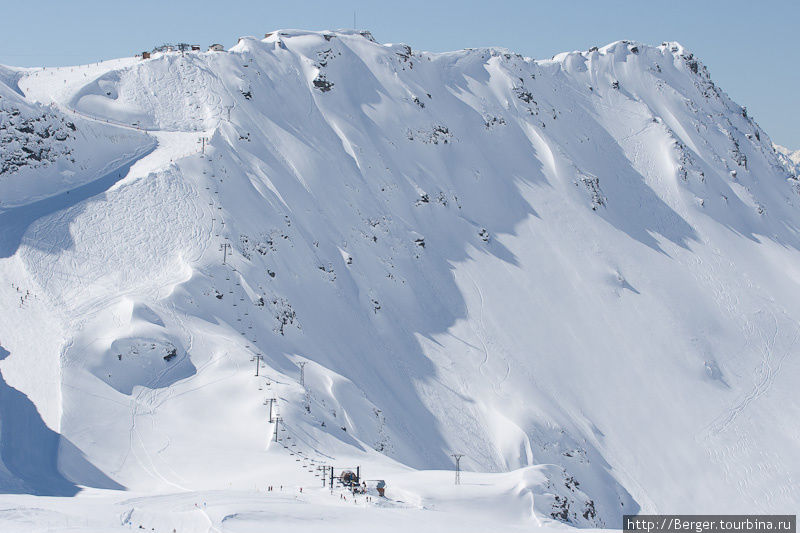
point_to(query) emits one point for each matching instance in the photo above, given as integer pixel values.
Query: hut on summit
(216, 47)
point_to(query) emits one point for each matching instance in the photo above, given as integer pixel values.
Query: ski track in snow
(765, 374)
(481, 334)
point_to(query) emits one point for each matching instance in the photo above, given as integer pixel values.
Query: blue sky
(750, 47)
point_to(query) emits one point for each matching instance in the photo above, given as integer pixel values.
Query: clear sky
(750, 47)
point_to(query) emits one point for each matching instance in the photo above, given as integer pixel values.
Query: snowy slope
(587, 262)
(46, 151)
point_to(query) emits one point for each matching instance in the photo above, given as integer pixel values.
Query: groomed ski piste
(581, 273)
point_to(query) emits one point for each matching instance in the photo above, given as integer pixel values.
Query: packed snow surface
(582, 273)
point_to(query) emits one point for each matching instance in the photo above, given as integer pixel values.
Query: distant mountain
(588, 262)
(794, 156)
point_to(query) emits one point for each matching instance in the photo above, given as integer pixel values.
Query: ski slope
(581, 273)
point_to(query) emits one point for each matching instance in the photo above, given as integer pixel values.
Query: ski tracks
(765, 374)
(484, 337)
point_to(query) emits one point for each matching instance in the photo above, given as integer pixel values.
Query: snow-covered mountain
(583, 271)
(794, 156)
